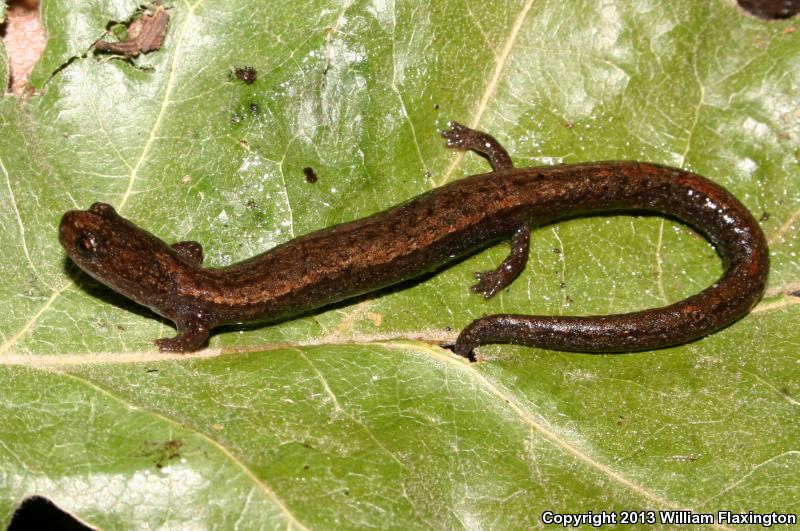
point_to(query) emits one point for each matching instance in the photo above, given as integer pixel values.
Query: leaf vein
(271, 495)
(133, 175)
(491, 86)
(514, 404)
(21, 227)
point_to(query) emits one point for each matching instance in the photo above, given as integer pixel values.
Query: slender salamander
(425, 233)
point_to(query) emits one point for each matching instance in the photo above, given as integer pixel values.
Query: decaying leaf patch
(145, 34)
(162, 451)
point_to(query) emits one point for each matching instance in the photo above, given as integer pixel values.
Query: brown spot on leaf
(162, 451)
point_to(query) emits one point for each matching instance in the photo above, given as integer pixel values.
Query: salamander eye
(87, 245)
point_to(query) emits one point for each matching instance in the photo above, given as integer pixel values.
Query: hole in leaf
(38, 512)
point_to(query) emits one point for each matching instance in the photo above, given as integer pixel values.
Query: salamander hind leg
(490, 282)
(462, 137)
(191, 336)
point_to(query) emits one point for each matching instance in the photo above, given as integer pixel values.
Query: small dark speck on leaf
(251, 204)
(255, 109)
(435, 105)
(569, 125)
(764, 217)
(347, 493)
(152, 370)
(162, 451)
(448, 328)
(311, 177)
(556, 250)
(690, 457)
(427, 174)
(563, 285)
(306, 467)
(247, 74)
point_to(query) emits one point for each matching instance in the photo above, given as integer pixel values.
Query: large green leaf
(353, 416)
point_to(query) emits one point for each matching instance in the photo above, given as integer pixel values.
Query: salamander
(427, 232)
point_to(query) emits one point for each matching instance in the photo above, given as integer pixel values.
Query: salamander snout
(67, 228)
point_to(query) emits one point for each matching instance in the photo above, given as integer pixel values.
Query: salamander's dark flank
(422, 235)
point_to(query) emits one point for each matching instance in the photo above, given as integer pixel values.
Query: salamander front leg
(191, 336)
(490, 282)
(462, 137)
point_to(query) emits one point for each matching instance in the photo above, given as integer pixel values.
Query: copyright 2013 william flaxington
(600, 519)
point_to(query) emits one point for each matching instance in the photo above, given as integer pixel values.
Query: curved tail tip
(462, 349)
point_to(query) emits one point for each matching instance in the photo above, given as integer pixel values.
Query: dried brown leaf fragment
(145, 34)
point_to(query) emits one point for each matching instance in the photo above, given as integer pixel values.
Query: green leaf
(353, 416)
(73, 28)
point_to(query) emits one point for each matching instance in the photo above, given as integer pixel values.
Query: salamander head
(122, 256)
